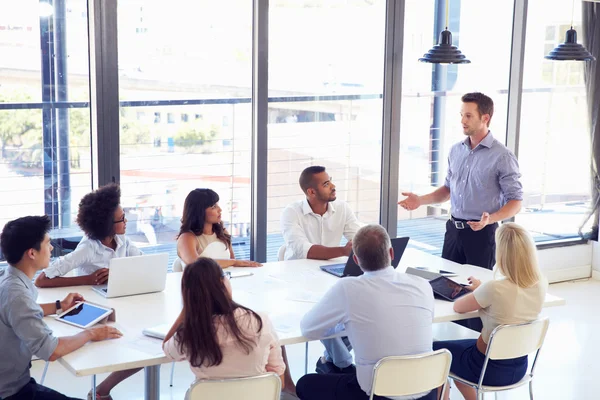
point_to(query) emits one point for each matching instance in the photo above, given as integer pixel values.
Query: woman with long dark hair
(220, 338)
(202, 233)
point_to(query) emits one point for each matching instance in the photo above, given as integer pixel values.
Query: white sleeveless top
(213, 247)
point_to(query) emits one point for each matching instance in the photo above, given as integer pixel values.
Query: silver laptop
(135, 275)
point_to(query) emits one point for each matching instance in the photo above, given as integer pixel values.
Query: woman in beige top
(516, 297)
(202, 233)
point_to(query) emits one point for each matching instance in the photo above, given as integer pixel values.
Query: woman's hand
(474, 283)
(178, 322)
(246, 263)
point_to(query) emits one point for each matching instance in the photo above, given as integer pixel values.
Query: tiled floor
(568, 368)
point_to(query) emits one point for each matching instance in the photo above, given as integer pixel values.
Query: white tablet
(84, 315)
(239, 274)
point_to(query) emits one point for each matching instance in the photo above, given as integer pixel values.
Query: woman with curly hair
(103, 221)
(202, 233)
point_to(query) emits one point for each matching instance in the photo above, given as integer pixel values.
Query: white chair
(511, 341)
(178, 265)
(410, 375)
(281, 253)
(261, 387)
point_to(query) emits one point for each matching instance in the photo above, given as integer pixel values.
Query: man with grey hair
(383, 312)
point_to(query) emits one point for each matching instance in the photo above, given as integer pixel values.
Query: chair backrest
(407, 375)
(177, 265)
(281, 253)
(512, 341)
(261, 387)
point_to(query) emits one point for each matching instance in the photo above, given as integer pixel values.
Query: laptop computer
(129, 276)
(350, 268)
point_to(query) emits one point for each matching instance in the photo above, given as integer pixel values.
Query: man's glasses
(119, 221)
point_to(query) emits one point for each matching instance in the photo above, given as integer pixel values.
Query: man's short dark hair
(96, 211)
(307, 177)
(371, 245)
(23, 234)
(485, 105)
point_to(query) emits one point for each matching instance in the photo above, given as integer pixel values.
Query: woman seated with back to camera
(202, 233)
(220, 338)
(517, 297)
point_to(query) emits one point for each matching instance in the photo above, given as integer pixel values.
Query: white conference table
(284, 290)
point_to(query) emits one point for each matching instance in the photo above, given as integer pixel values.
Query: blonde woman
(515, 297)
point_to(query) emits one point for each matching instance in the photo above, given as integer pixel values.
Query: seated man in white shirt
(313, 228)
(384, 313)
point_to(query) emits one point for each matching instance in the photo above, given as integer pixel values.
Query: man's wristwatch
(58, 309)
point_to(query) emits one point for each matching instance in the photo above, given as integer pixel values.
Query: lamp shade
(570, 50)
(444, 52)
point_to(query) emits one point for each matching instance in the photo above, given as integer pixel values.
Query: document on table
(303, 296)
(139, 341)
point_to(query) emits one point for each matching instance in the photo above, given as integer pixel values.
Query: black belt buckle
(459, 224)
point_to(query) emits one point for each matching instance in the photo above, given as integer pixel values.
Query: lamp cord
(572, 13)
(447, 13)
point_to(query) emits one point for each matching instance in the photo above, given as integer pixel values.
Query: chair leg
(496, 395)
(531, 390)
(44, 373)
(172, 373)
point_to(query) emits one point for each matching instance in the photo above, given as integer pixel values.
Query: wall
(569, 262)
(595, 259)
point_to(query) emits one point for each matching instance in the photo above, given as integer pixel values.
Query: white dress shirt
(384, 313)
(91, 255)
(302, 228)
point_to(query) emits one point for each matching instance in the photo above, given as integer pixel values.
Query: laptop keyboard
(338, 270)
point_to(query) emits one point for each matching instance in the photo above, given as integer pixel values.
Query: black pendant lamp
(444, 52)
(570, 50)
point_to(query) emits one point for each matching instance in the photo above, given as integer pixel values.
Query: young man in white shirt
(313, 228)
(383, 312)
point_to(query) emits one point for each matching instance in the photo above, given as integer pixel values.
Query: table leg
(94, 387)
(152, 382)
(306, 359)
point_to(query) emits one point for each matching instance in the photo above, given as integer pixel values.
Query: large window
(185, 78)
(44, 111)
(185, 110)
(325, 108)
(554, 146)
(430, 116)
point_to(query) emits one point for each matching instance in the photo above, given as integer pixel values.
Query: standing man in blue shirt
(26, 245)
(482, 184)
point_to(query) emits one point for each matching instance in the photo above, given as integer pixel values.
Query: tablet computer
(84, 315)
(447, 288)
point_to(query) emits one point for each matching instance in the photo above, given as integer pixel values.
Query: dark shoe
(326, 367)
(329, 367)
(350, 369)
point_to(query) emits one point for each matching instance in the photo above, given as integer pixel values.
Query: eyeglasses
(119, 221)
(226, 274)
